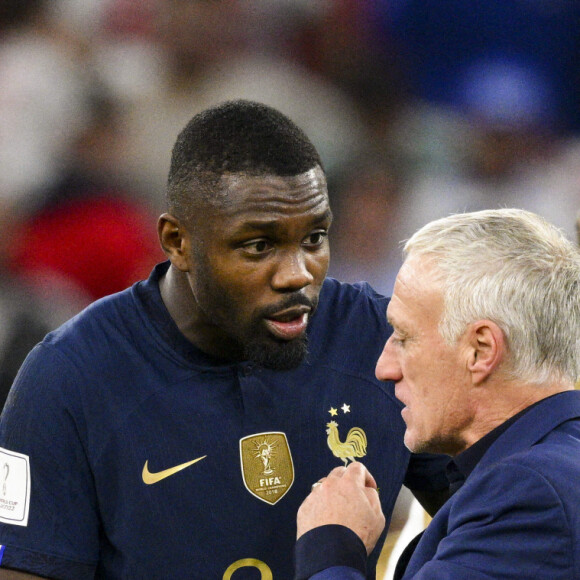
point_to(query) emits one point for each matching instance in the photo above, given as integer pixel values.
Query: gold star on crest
(333, 412)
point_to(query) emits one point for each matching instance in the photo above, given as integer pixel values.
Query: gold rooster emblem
(355, 444)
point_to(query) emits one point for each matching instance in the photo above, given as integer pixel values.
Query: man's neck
(500, 402)
(179, 300)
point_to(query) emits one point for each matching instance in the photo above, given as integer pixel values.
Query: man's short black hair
(234, 137)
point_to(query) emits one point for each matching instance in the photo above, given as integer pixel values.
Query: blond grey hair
(512, 267)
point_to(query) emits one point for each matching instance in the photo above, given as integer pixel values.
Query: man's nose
(292, 272)
(388, 367)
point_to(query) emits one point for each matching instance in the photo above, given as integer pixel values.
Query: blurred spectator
(70, 232)
(117, 35)
(478, 165)
(91, 246)
(494, 116)
(445, 46)
(41, 108)
(42, 104)
(88, 234)
(344, 44)
(366, 232)
(220, 50)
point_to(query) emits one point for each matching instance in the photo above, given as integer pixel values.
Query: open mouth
(289, 324)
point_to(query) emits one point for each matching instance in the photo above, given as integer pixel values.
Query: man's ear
(174, 239)
(486, 349)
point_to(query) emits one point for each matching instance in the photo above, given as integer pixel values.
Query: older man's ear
(486, 349)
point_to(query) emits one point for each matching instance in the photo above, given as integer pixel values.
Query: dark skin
(239, 262)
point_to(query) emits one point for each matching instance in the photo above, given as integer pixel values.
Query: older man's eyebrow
(396, 327)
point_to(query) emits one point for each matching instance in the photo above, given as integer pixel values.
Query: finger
(370, 480)
(337, 472)
(362, 475)
(373, 498)
(359, 474)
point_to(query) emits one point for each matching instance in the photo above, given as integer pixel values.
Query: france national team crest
(355, 441)
(267, 467)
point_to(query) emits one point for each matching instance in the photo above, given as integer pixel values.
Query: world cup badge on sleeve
(267, 467)
(14, 487)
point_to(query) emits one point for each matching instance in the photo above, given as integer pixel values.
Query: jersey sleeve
(54, 529)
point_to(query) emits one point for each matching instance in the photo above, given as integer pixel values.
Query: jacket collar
(534, 425)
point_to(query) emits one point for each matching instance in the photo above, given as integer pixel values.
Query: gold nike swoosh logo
(150, 478)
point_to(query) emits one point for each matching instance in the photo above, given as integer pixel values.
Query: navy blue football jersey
(128, 453)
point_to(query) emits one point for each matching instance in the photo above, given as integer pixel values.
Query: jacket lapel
(531, 428)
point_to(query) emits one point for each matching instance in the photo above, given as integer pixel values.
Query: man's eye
(315, 238)
(257, 246)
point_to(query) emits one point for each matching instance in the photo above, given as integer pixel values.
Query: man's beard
(277, 355)
(254, 344)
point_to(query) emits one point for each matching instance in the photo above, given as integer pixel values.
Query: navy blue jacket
(516, 516)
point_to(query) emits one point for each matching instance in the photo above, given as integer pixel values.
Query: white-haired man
(484, 356)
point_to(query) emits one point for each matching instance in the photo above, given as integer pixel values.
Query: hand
(348, 497)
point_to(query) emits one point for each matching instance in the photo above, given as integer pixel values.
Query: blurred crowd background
(419, 108)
